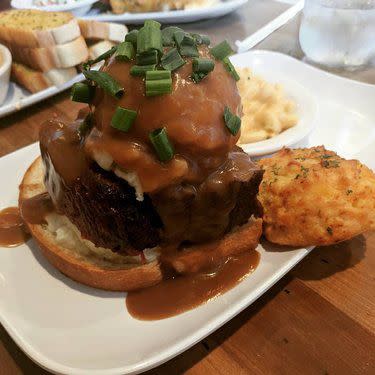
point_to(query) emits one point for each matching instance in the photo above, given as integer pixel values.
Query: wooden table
(319, 319)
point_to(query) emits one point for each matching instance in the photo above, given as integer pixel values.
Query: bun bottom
(124, 273)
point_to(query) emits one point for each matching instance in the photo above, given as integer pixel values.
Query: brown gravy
(35, 209)
(183, 293)
(13, 231)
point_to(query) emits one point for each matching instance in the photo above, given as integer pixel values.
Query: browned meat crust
(104, 208)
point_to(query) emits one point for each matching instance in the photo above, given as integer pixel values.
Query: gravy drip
(13, 231)
(63, 155)
(201, 212)
(34, 210)
(182, 293)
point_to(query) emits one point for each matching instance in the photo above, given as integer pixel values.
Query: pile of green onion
(157, 53)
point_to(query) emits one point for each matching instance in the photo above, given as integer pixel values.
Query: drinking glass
(338, 33)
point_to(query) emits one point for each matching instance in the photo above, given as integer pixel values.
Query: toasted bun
(79, 259)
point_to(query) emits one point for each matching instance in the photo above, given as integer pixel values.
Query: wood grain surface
(319, 319)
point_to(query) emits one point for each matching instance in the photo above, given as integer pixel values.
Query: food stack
(47, 47)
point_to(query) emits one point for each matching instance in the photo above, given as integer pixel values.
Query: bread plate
(18, 98)
(5, 67)
(72, 329)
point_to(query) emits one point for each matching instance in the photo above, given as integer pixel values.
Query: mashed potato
(266, 110)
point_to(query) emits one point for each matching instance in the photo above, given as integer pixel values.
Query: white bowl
(5, 67)
(307, 109)
(78, 8)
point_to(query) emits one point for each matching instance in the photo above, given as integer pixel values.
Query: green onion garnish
(149, 38)
(125, 51)
(158, 74)
(167, 35)
(101, 57)
(221, 50)
(172, 60)
(186, 44)
(123, 119)
(105, 81)
(148, 58)
(158, 82)
(231, 69)
(159, 87)
(189, 51)
(152, 23)
(161, 143)
(138, 70)
(203, 65)
(201, 39)
(85, 126)
(232, 122)
(198, 76)
(131, 37)
(82, 93)
(178, 36)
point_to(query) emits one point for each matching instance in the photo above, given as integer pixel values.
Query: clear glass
(338, 33)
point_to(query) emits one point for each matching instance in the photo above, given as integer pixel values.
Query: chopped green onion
(131, 37)
(221, 50)
(138, 70)
(105, 81)
(158, 87)
(172, 60)
(82, 93)
(198, 76)
(189, 51)
(148, 58)
(203, 65)
(231, 69)
(85, 126)
(161, 143)
(158, 82)
(158, 75)
(167, 35)
(186, 44)
(201, 39)
(149, 38)
(123, 119)
(101, 57)
(232, 122)
(178, 36)
(152, 23)
(125, 51)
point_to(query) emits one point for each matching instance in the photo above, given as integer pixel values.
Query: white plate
(78, 8)
(72, 329)
(306, 107)
(18, 98)
(173, 16)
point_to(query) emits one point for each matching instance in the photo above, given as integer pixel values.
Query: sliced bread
(35, 28)
(59, 56)
(95, 30)
(35, 81)
(99, 48)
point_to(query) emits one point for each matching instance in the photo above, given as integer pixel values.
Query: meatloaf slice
(105, 210)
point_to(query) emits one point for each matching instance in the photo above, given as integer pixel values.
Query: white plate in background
(221, 8)
(306, 107)
(345, 111)
(78, 8)
(72, 329)
(18, 98)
